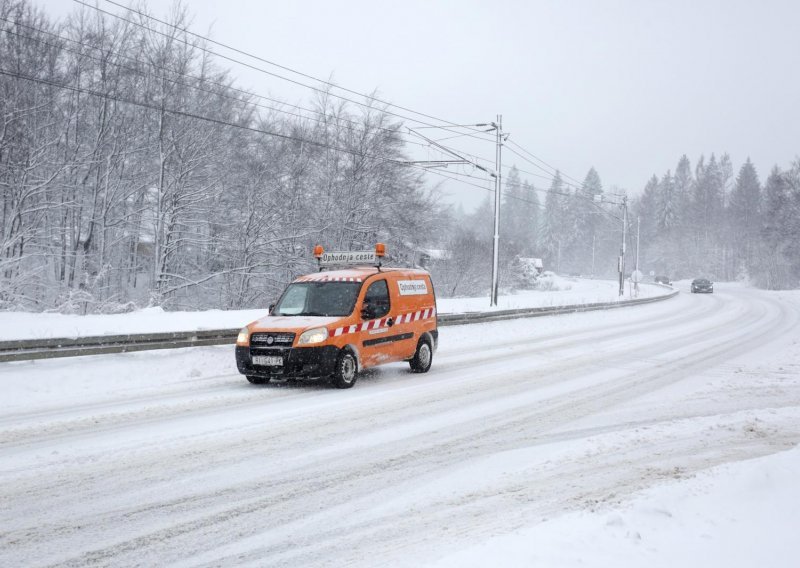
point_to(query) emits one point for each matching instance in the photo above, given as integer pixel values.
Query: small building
(426, 257)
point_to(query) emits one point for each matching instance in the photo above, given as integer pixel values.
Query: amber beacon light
(380, 250)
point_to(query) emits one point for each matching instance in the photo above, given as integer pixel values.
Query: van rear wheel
(423, 357)
(345, 374)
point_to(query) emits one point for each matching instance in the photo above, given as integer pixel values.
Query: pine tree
(744, 216)
(666, 214)
(775, 267)
(645, 208)
(530, 222)
(585, 219)
(682, 186)
(552, 232)
(512, 215)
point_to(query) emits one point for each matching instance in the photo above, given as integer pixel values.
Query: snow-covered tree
(553, 228)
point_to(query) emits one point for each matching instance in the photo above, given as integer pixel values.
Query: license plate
(268, 360)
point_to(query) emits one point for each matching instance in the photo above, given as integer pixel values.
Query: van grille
(268, 339)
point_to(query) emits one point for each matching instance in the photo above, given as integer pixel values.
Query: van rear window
(318, 299)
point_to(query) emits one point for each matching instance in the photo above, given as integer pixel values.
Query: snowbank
(737, 515)
(22, 325)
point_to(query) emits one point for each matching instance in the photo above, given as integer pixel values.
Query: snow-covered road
(160, 458)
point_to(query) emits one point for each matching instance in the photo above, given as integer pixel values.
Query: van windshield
(318, 299)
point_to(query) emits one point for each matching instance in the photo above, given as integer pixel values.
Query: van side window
(377, 298)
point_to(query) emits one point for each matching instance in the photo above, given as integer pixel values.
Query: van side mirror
(368, 312)
(271, 307)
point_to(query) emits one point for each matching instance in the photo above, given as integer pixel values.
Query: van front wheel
(423, 357)
(344, 376)
(254, 380)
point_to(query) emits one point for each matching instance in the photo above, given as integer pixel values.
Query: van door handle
(390, 322)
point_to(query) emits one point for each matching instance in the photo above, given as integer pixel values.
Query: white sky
(625, 86)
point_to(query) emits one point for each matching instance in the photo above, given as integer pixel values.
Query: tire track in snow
(110, 415)
(324, 489)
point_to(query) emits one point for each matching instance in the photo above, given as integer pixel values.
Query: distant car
(702, 285)
(663, 280)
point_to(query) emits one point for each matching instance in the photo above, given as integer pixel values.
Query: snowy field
(657, 435)
(21, 325)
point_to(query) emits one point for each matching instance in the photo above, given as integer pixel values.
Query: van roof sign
(349, 257)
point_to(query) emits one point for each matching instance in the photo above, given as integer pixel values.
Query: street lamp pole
(638, 226)
(622, 247)
(498, 126)
(636, 283)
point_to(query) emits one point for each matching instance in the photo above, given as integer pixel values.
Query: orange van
(336, 323)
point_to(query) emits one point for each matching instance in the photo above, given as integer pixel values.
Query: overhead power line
(546, 176)
(554, 169)
(446, 126)
(203, 80)
(323, 117)
(187, 114)
(279, 66)
(449, 125)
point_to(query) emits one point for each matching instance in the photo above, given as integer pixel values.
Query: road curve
(132, 460)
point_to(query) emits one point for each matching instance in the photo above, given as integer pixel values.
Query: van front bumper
(298, 362)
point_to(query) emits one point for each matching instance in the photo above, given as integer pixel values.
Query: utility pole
(622, 248)
(498, 126)
(636, 284)
(558, 258)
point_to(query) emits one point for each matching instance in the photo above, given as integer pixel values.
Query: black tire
(255, 380)
(346, 373)
(423, 357)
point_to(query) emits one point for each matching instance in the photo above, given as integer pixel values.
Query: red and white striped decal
(325, 278)
(416, 316)
(375, 324)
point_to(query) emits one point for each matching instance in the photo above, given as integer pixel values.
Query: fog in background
(143, 164)
(626, 87)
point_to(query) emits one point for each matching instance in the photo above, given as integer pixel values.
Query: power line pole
(498, 126)
(497, 174)
(636, 283)
(622, 247)
(558, 258)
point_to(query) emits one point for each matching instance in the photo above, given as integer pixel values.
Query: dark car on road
(702, 285)
(663, 280)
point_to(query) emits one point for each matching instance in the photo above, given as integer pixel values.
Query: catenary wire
(186, 114)
(253, 67)
(369, 97)
(323, 117)
(240, 101)
(285, 68)
(543, 162)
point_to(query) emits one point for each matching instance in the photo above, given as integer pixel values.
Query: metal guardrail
(30, 349)
(479, 317)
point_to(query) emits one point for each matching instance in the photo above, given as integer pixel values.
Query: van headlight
(316, 335)
(243, 338)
